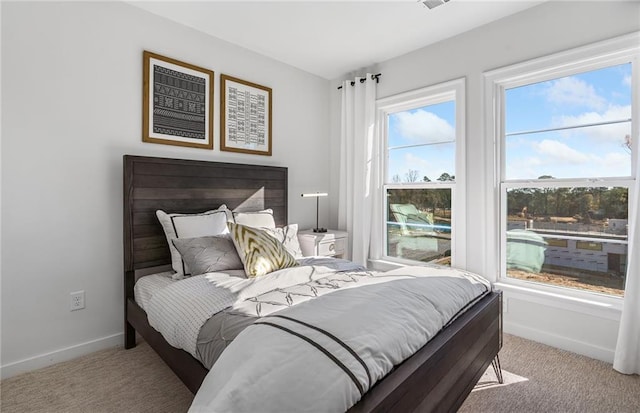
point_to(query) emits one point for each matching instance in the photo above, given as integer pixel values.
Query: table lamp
(317, 196)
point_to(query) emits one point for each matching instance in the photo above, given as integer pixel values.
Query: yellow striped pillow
(260, 252)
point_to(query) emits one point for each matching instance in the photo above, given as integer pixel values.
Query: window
(566, 161)
(424, 158)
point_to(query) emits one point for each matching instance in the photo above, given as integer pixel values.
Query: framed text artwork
(177, 103)
(245, 117)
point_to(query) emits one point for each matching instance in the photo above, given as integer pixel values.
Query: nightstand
(328, 244)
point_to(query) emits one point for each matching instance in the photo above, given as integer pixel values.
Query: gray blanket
(222, 328)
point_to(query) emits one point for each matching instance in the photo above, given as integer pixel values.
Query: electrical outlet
(77, 300)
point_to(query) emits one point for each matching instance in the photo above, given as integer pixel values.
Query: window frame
(620, 50)
(453, 90)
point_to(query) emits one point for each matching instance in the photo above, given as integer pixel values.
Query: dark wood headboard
(188, 186)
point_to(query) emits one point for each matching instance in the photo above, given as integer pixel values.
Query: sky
(585, 152)
(434, 127)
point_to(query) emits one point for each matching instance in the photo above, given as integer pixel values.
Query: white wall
(71, 107)
(545, 29)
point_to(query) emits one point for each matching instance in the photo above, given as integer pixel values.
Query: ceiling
(333, 38)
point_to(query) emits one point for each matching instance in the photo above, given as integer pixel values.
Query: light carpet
(539, 378)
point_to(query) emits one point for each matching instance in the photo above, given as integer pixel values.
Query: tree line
(582, 203)
(585, 204)
(433, 200)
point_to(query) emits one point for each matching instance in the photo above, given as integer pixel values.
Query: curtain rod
(363, 79)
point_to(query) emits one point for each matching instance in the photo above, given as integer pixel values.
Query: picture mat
(246, 131)
(184, 105)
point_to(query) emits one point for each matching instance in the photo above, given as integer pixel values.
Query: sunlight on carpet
(489, 380)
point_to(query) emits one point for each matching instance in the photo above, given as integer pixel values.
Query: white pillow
(288, 236)
(257, 219)
(207, 223)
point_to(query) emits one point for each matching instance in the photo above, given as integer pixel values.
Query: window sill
(599, 305)
(383, 264)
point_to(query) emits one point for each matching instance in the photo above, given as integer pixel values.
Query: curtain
(358, 192)
(627, 356)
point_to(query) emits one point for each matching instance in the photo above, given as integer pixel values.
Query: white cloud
(525, 168)
(401, 164)
(575, 92)
(422, 126)
(609, 133)
(557, 159)
(611, 164)
(627, 80)
(417, 163)
(431, 168)
(559, 152)
(612, 113)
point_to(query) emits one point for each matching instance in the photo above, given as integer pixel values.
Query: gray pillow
(207, 223)
(208, 254)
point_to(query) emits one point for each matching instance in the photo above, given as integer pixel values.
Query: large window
(424, 159)
(566, 161)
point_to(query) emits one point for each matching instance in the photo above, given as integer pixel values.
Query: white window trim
(442, 92)
(599, 305)
(610, 52)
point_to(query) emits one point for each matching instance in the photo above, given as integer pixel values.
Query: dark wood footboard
(440, 376)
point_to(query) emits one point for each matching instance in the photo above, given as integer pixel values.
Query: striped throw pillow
(260, 252)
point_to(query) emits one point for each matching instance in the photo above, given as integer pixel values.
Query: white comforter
(322, 354)
(179, 310)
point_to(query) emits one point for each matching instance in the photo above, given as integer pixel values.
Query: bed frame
(438, 377)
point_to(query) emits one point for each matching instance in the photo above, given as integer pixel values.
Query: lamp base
(319, 230)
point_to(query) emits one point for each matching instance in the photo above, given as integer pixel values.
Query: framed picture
(177, 103)
(245, 117)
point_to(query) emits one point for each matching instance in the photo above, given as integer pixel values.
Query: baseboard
(65, 354)
(561, 342)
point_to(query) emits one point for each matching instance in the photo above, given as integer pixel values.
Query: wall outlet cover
(77, 300)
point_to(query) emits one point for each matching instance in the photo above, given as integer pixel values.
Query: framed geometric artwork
(245, 117)
(177, 103)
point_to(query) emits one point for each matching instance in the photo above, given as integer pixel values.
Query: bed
(438, 377)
